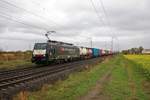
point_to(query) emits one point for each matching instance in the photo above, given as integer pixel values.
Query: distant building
(146, 51)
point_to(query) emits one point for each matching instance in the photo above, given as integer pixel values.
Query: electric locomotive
(54, 51)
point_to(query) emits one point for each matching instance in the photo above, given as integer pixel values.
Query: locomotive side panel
(62, 52)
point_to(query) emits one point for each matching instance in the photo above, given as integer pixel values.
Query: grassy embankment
(76, 84)
(126, 83)
(11, 60)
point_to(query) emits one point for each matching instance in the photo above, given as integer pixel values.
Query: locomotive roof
(59, 43)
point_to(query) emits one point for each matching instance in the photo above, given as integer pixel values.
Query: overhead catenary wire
(108, 23)
(32, 13)
(5, 16)
(97, 13)
(39, 5)
(104, 10)
(18, 17)
(106, 15)
(17, 20)
(45, 10)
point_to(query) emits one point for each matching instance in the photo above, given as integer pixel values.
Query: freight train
(56, 51)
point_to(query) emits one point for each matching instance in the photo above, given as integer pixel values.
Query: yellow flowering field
(143, 61)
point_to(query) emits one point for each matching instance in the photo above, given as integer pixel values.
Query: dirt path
(96, 93)
(131, 83)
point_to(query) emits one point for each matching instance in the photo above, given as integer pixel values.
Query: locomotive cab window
(40, 46)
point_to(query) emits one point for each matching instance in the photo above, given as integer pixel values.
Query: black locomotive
(53, 51)
(56, 51)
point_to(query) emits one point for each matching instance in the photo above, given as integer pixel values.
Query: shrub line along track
(34, 78)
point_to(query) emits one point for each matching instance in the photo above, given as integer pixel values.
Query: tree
(125, 51)
(132, 51)
(141, 49)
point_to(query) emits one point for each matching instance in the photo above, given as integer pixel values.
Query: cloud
(75, 21)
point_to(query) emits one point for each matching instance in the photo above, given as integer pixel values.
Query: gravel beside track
(11, 72)
(30, 79)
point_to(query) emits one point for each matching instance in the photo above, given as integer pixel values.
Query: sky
(25, 22)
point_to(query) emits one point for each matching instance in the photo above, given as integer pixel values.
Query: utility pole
(91, 42)
(118, 45)
(105, 44)
(112, 43)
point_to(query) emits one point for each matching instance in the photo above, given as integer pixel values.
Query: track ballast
(29, 79)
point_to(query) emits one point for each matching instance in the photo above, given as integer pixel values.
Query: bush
(8, 56)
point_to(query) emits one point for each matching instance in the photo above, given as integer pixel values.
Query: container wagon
(95, 52)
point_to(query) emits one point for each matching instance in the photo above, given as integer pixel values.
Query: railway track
(9, 73)
(33, 78)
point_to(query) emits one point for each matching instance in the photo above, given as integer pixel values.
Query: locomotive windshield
(40, 46)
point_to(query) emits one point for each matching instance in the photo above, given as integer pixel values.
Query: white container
(83, 51)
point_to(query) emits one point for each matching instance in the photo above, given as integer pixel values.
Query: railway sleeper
(36, 83)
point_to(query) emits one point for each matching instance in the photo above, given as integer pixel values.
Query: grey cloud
(76, 19)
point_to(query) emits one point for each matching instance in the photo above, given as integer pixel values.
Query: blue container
(95, 52)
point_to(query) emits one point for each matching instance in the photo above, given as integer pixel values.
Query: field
(117, 78)
(128, 81)
(11, 60)
(143, 62)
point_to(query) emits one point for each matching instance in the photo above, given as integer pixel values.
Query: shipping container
(83, 51)
(100, 52)
(103, 52)
(106, 52)
(89, 53)
(95, 52)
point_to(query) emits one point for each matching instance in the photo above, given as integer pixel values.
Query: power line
(8, 17)
(5, 16)
(104, 10)
(105, 13)
(38, 4)
(108, 22)
(96, 11)
(19, 17)
(41, 17)
(44, 9)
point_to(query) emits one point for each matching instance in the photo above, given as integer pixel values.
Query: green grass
(12, 60)
(118, 87)
(143, 63)
(15, 64)
(77, 84)
(138, 80)
(126, 82)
